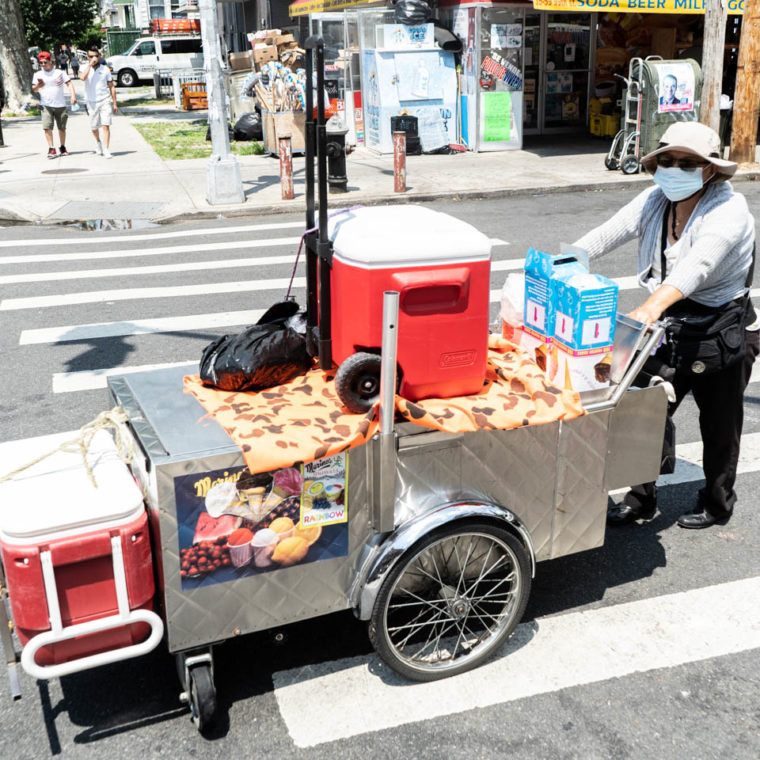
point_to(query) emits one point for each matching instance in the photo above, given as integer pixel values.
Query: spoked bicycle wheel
(450, 601)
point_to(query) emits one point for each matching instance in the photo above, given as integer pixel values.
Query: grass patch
(146, 101)
(173, 141)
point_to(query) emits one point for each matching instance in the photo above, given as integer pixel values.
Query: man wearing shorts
(50, 82)
(101, 99)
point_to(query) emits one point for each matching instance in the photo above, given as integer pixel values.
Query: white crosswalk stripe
(98, 239)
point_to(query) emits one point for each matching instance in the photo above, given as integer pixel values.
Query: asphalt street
(676, 608)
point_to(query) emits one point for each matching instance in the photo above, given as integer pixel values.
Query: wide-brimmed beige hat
(695, 138)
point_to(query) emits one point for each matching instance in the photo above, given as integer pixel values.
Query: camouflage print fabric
(304, 419)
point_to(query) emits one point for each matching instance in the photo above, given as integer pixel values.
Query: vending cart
(179, 529)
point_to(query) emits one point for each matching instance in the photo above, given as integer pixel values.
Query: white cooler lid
(55, 498)
(382, 236)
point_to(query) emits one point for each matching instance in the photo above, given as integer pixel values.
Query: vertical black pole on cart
(311, 249)
(324, 247)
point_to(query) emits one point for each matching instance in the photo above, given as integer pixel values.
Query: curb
(341, 201)
(335, 201)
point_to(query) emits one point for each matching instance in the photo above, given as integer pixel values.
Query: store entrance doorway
(558, 71)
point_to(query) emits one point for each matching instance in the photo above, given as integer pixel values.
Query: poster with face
(676, 87)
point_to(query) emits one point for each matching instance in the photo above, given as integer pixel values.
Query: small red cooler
(77, 559)
(441, 268)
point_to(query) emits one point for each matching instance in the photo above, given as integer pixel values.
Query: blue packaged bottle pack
(569, 319)
(542, 273)
(584, 330)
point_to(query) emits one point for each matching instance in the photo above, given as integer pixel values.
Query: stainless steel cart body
(547, 484)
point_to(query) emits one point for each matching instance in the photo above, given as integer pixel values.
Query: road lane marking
(98, 238)
(100, 330)
(128, 254)
(192, 266)
(128, 294)
(140, 294)
(94, 379)
(125, 253)
(543, 656)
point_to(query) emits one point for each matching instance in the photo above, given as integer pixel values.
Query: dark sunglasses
(687, 164)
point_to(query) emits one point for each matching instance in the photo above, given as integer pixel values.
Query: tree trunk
(712, 63)
(744, 130)
(14, 57)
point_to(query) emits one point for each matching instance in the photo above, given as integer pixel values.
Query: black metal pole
(324, 247)
(311, 249)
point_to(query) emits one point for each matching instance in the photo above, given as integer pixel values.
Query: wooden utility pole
(747, 92)
(712, 62)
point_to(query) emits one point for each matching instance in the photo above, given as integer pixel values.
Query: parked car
(150, 54)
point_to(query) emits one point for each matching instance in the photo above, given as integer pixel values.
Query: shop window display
(566, 69)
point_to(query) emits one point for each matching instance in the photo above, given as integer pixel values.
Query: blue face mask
(677, 183)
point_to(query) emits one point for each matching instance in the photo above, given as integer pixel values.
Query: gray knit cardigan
(716, 249)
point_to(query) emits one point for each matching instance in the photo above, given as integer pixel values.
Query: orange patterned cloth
(304, 419)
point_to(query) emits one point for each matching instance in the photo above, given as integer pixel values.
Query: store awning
(735, 7)
(304, 7)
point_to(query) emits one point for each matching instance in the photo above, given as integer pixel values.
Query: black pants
(720, 400)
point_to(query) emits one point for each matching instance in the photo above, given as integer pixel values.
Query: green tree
(15, 67)
(51, 22)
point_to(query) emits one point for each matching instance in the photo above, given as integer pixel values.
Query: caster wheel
(357, 382)
(630, 165)
(450, 601)
(202, 697)
(611, 164)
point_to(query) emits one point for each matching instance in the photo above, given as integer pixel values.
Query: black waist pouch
(704, 340)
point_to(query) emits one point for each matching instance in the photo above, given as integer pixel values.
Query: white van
(150, 54)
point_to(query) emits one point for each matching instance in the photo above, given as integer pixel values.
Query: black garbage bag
(412, 12)
(269, 353)
(248, 127)
(230, 133)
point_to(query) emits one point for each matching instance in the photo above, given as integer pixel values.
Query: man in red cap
(50, 83)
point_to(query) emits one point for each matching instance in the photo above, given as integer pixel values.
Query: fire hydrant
(336, 155)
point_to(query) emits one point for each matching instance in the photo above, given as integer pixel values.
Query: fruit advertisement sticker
(323, 499)
(232, 524)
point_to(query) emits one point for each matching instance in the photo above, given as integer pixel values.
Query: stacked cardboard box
(272, 45)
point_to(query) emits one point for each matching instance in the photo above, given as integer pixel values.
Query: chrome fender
(377, 567)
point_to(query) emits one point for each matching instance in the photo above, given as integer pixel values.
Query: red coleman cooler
(441, 268)
(77, 560)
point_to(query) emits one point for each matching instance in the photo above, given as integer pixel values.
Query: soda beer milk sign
(735, 7)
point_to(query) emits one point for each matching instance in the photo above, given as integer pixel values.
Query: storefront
(530, 68)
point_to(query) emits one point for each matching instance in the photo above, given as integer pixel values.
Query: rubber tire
(377, 627)
(126, 78)
(359, 368)
(611, 164)
(202, 697)
(630, 165)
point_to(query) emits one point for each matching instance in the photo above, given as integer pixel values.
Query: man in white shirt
(50, 83)
(101, 99)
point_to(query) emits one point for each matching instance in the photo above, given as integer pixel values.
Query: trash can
(408, 124)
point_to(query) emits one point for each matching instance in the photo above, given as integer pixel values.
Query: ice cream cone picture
(553, 362)
(540, 354)
(568, 379)
(602, 369)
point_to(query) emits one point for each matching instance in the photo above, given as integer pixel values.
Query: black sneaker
(63, 151)
(52, 153)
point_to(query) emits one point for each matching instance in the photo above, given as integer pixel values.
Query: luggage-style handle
(318, 247)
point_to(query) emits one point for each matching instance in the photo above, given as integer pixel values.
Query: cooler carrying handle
(59, 633)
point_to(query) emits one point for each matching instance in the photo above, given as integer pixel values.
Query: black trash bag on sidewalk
(230, 133)
(269, 353)
(412, 12)
(248, 127)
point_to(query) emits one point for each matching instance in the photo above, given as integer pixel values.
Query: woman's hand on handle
(651, 310)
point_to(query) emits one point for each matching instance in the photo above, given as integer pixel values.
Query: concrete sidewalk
(137, 184)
